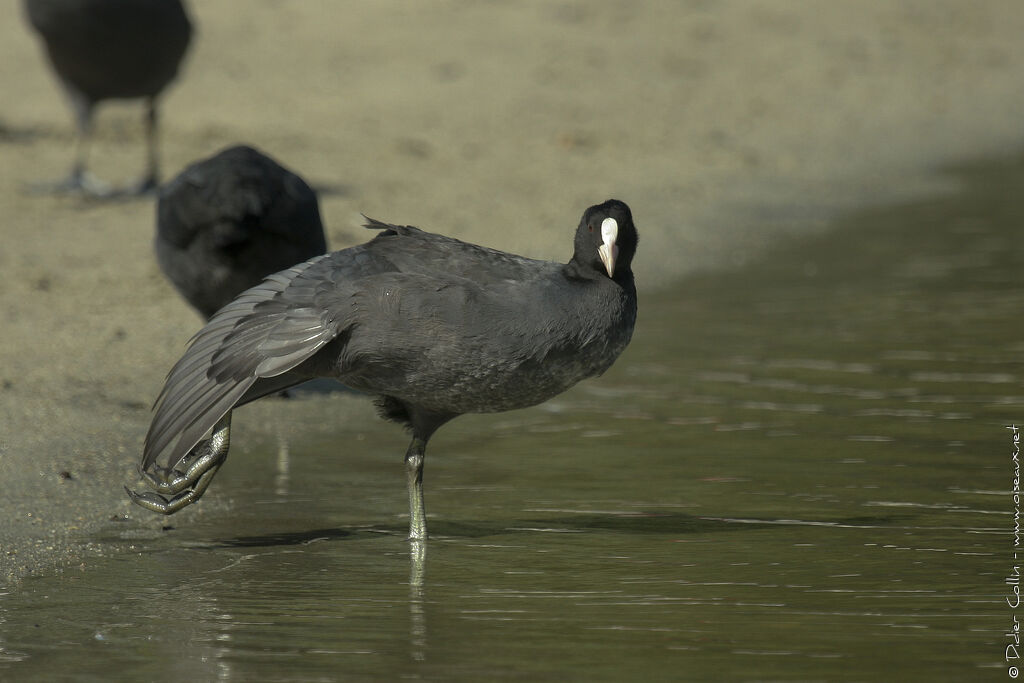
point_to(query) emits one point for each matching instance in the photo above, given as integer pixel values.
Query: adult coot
(111, 49)
(433, 326)
(226, 222)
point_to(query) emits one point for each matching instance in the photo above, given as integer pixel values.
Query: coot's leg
(414, 482)
(79, 180)
(186, 486)
(149, 180)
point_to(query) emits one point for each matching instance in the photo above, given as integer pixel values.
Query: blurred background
(732, 129)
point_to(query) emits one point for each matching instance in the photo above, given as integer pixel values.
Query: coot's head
(606, 240)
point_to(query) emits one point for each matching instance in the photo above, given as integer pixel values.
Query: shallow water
(798, 471)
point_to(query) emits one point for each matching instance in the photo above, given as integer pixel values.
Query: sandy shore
(721, 123)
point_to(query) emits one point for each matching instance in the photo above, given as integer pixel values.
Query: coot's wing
(274, 327)
(265, 332)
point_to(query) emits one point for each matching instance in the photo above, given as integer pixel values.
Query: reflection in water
(7, 655)
(794, 473)
(417, 618)
(196, 635)
(283, 464)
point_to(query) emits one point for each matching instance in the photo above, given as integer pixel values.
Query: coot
(111, 49)
(226, 222)
(432, 326)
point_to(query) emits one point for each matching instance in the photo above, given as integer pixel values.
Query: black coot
(111, 49)
(433, 326)
(227, 222)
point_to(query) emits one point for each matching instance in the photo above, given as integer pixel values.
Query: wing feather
(268, 330)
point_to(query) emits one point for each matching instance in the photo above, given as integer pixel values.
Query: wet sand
(723, 125)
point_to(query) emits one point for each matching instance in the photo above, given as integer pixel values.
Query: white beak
(609, 251)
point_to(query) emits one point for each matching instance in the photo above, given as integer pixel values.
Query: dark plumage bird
(111, 49)
(433, 326)
(225, 223)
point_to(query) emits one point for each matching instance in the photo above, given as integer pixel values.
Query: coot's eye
(590, 228)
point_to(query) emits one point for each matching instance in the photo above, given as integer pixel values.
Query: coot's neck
(577, 272)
